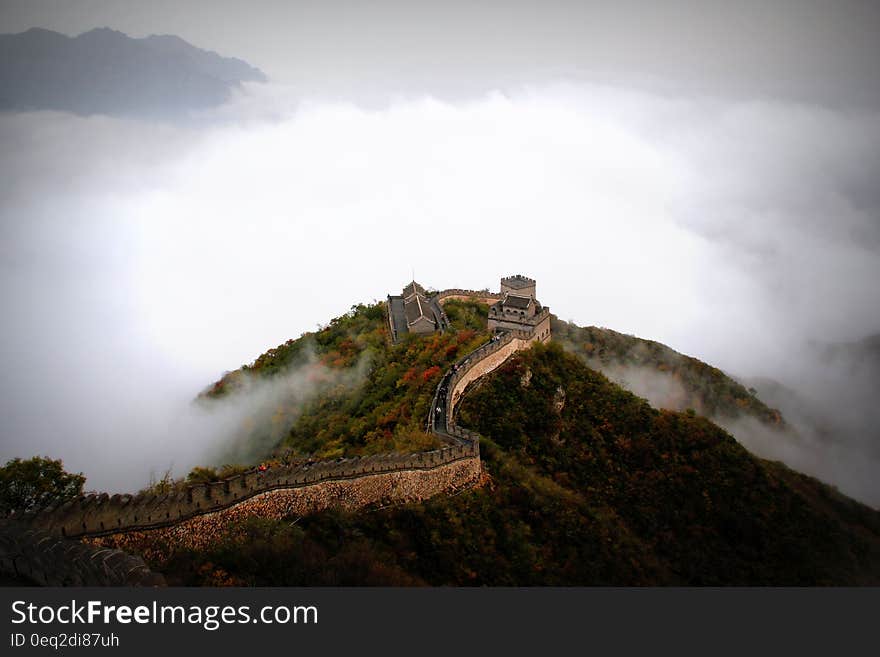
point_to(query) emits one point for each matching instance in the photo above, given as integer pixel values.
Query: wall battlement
(38, 556)
(477, 364)
(101, 514)
(518, 280)
(464, 295)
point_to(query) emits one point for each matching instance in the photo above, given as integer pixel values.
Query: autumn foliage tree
(33, 483)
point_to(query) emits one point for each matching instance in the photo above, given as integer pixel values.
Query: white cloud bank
(140, 261)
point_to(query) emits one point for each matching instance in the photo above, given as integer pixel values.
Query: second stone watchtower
(518, 309)
(518, 285)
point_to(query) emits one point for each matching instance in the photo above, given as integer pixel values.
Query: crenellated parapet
(462, 294)
(45, 558)
(519, 285)
(101, 514)
(480, 363)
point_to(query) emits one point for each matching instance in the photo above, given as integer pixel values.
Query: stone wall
(532, 324)
(481, 362)
(39, 557)
(541, 330)
(519, 285)
(350, 494)
(96, 515)
(467, 295)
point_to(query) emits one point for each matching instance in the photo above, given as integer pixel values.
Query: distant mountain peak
(173, 38)
(40, 30)
(104, 71)
(103, 30)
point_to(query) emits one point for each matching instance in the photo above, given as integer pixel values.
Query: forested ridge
(584, 483)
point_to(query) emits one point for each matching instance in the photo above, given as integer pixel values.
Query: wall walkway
(195, 516)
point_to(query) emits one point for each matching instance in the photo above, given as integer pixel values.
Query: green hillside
(665, 377)
(584, 483)
(369, 396)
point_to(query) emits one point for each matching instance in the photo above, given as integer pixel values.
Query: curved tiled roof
(520, 303)
(413, 288)
(417, 308)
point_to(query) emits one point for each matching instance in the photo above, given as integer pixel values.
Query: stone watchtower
(519, 309)
(414, 311)
(420, 316)
(518, 285)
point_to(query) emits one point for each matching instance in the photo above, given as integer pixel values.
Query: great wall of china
(37, 546)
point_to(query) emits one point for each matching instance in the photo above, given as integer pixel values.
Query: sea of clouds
(139, 260)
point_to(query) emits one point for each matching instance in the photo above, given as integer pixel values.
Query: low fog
(830, 417)
(140, 261)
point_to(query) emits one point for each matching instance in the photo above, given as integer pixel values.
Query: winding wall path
(195, 516)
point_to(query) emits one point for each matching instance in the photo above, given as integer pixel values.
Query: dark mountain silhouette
(107, 72)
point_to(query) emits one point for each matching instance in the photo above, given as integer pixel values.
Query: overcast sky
(702, 177)
(797, 49)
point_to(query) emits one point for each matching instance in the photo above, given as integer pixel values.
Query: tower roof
(413, 288)
(514, 301)
(416, 309)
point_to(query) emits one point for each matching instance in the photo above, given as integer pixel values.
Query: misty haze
(144, 254)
